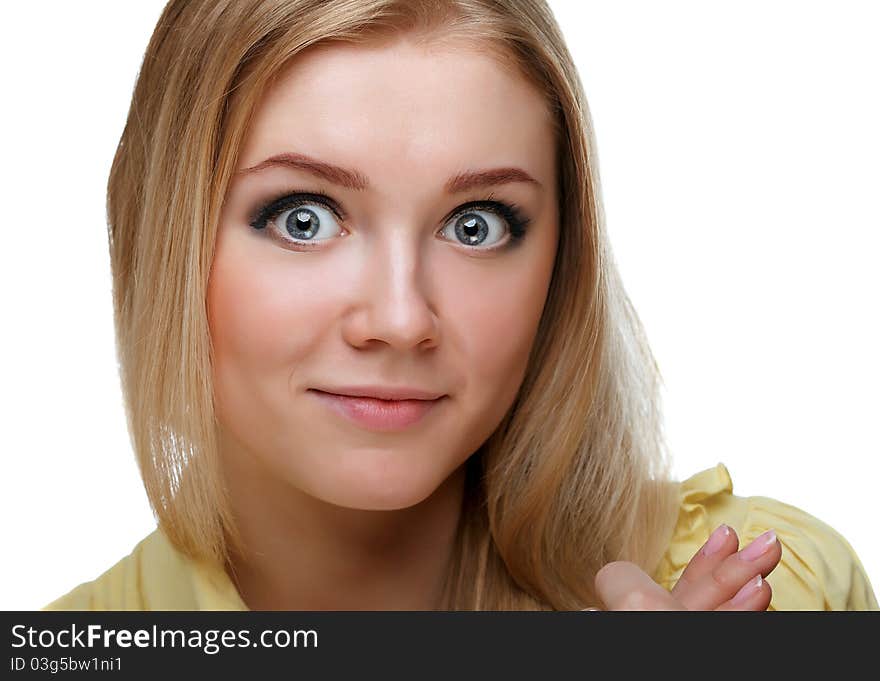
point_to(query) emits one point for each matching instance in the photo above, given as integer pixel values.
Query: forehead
(405, 103)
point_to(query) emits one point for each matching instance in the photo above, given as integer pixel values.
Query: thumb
(625, 586)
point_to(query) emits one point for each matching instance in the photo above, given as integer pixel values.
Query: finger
(721, 543)
(754, 595)
(722, 583)
(624, 586)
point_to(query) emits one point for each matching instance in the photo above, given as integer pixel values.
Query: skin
(721, 580)
(334, 516)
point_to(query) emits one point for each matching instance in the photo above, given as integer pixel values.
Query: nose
(393, 300)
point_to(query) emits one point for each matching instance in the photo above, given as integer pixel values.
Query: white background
(739, 153)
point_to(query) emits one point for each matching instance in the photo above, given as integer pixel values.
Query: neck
(302, 553)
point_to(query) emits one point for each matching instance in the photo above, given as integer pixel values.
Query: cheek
(245, 317)
(497, 329)
(261, 322)
(273, 325)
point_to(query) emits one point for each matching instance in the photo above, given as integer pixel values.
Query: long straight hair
(575, 475)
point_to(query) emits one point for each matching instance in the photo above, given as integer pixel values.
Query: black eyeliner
(512, 214)
(289, 200)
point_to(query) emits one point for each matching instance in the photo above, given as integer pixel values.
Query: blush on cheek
(252, 307)
(504, 366)
(497, 348)
(242, 334)
(265, 318)
(501, 329)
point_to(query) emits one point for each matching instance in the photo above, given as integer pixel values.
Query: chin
(377, 502)
(380, 487)
(378, 497)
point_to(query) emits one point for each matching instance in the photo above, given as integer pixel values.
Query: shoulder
(151, 577)
(819, 570)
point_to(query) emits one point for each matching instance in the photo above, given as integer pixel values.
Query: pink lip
(376, 414)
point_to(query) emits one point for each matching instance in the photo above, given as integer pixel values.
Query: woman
(374, 348)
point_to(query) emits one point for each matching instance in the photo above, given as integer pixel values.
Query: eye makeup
(289, 200)
(513, 215)
(514, 219)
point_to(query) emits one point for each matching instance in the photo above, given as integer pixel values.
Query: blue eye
(476, 227)
(471, 228)
(299, 218)
(302, 219)
(303, 224)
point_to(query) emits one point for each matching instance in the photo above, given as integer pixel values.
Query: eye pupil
(302, 224)
(471, 229)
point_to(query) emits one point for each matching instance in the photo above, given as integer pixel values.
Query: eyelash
(517, 222)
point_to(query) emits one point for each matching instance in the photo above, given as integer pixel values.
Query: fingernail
(716, 540)
(759, 546)
(748, 590)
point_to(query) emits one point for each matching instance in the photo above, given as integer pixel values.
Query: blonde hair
(576, 474)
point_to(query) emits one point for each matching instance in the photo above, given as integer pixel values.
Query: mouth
(377, 414)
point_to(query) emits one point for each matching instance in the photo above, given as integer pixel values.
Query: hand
(718, 577)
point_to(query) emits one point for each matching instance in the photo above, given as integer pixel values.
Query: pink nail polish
(759, 546)
(748, 590)
(716, 540)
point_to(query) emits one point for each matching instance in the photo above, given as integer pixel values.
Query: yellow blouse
(818, 571)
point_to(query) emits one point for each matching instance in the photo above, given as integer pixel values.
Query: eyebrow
(352, 179)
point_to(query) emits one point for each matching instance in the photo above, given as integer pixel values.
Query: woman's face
(390, 279)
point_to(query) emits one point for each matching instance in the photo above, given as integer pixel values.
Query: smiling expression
(393, 222)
